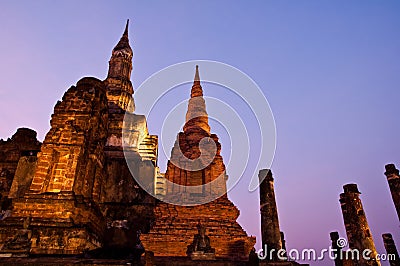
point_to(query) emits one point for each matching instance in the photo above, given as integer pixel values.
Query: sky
(329, 70)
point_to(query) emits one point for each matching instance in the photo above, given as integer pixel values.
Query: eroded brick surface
(355, 221)
(76, 193)
(23, 144)
(175, 226)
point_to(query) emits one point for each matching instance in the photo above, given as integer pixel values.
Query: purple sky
(329, 69)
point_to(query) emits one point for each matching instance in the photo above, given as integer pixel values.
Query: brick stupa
(77, 194)
(196, 192)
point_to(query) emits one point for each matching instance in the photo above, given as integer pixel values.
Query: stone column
(392, 175)
(391, 250)
(337, 249)
(270, 233)
(283, 241)
(357, 229)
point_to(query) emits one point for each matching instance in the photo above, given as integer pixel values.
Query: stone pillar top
(265, 174)
(387, 236)
(334, 236)
(351, 188)
(391, 169)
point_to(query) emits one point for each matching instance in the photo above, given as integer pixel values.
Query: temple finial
(196, 115)
(197, 75)
(126, 28)
(124, 41)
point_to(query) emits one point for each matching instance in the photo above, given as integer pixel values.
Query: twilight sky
(329, 69)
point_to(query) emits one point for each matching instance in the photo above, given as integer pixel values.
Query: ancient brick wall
(71, 158)
(175, 227)
(62, 204)
(23, 144)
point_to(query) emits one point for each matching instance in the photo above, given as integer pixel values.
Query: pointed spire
(124, 41)
(120, 64)
(126, 28)
(197, 76)
(196, 88)
(196, 115)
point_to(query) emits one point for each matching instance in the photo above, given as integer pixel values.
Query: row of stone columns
(357, 229)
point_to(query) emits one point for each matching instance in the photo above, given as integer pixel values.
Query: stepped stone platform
(175, 228)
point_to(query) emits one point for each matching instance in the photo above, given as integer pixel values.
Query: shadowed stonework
(17, 165)
(393, 178)
(391, 248)
(355, 221)
(270, 233)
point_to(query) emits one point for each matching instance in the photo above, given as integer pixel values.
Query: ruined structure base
(202, 256)
(158, 261)
(175, 227)
(55, 226)
(46, 241)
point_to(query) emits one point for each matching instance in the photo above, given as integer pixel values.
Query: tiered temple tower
(358, 232)
(196, 170)
(78, 194)
(196, 174)
(126, 206)
(118, 82)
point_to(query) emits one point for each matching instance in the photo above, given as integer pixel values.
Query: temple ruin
(76, 197)
(81, 196)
